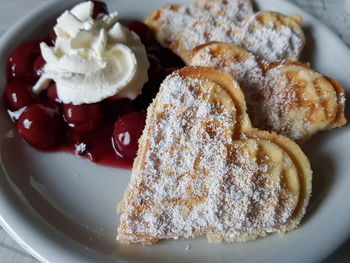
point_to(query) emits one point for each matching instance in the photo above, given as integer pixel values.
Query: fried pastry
(236, 10)
(298, 101)
(272, 36)
(202, 169)
(203, 30)
(288, 98)
(231, 58)
(168, 21)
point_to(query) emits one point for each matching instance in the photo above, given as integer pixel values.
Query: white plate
(62, 208)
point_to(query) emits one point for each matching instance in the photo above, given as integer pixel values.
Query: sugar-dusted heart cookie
(237, 10)
(168, 21)
(288, 98)
(202, 169)
(272, 36)
(203, 30)
(243, 65)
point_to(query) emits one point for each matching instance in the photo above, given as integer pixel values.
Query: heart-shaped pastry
(168, 21)
(202, 169)
(270, 36)
(286, 97)
(237, 10)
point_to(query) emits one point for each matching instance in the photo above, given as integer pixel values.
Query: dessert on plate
(201, 169)
(85, 87)
(286, 97)
(270, 36)
(261, 50)
(213, 158)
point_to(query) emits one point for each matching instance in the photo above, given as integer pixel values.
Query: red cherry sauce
(89, 132)
(106, 132)
(127, 131)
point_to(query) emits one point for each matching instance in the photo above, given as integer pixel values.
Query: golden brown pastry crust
(202, 169)
(286, 97)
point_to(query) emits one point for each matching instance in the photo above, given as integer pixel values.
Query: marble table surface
(334, 13)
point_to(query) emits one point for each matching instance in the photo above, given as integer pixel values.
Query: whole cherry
(99, 8)
(84, 117)
(21, 59)
(19, 94)
(127, 131)
(41, 126)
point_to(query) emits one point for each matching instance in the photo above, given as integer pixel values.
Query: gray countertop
(334, 13)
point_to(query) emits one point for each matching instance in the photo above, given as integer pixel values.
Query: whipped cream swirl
(93, 59)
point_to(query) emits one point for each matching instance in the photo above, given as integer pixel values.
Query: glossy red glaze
(96, 145)
(84, 117)
(127, 131)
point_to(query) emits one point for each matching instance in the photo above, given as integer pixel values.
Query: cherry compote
(41, 126)
(143, 31)
(106, 132)
(84, 117)
(127, 131)
(21, 59)
(39, 64)
(19, 94)
(51, 93)
(99, 8)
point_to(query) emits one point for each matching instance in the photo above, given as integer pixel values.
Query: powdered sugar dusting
(245, 70)
(265, 41)
(272, 110)
(196, 178)
(209, 28)
(283, 99)
(237, 10)
(271, 44)
(182, 28)
(173, 19)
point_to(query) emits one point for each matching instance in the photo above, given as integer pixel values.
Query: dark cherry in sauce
(21, 59)
(84, 117)
(18, 94)
(99, 8)
(107, 132)
(127, 131)
(41, 126)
